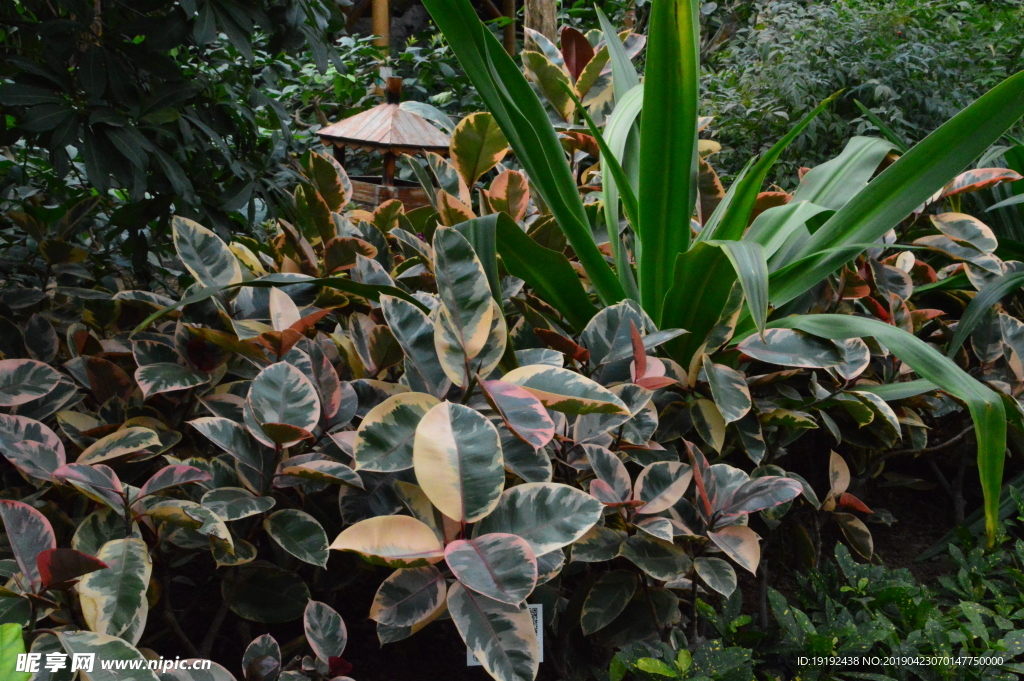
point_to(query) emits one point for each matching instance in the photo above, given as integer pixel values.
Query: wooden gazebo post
(392, 95)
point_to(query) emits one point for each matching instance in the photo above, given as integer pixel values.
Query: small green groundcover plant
(490, 399)
(968, 625)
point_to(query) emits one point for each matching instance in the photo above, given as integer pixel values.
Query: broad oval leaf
(24, 380)
(282, 394)
(857, 533)
(459, 365)
(521, 411)
(31, 446)
(791, 348)
(566, 391)
(552, 81)
(729, 390)
(458, 462)
(660, 559)
(254, 463)
(500, 566)
(761, 493)
(717, 574)
(408, 597)
(661, 528)
(465, 293)
(499, 635)
(709, 423)
(107, 648)
(396, 541)
(548, 515)
(98, 482)
(114, 600)
(607, 599)
(384, 440)
(477, 146)
(609, 469)
(262, 657)
(609, 332)
(193, 516)
(510, 193)
(299, 534)
(15, 429)
(205, 256)
(261, 592)
(599, 544)
(325, 630)
(119, 444)
(165, 377)
(322, 470)
(739, 543)
(235, 503)
(173, 476)
(415, 333)
(966, 230)
(661, 484)
(29, 534)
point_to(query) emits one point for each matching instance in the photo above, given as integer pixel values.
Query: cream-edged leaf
(396, 541)
(499, 635)
(113, 600)
(203, 253)
(500, 566)
(384, 440)
(408, 597)
(546, 514)
(566, 391)
(299, 534)
(458, 461)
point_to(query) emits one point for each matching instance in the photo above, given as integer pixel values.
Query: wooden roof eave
(385, 148)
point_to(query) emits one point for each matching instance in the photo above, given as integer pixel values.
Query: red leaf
(849, 501)
(853, 285)
(339, 666)
(564, 345)
(655, 382)
(577, 141)
(639, 352)
(576, 51)
(923, 315)
(877, 309)
(766, 200)
(63, 565)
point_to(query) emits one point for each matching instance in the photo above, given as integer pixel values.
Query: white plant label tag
(537, 613)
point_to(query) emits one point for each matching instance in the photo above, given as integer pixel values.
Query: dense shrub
(514, 395)
(914, 64)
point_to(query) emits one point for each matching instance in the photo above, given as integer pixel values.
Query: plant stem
(172, 620)
(693, 608)
(211, 634)
(469, 390)
(654, 611)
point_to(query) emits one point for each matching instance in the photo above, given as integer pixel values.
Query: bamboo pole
(382, 24)
(509, 34)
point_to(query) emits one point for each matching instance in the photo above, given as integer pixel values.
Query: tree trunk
(540, 15)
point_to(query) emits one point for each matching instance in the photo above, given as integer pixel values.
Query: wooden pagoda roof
(387, 128)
